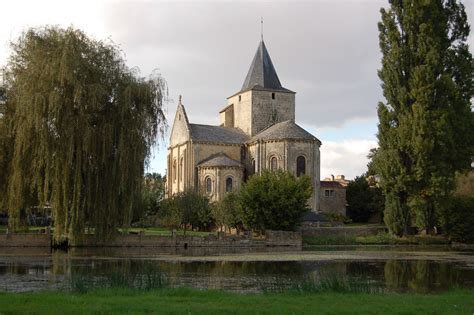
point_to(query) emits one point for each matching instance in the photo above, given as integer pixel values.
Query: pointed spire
(262, 73)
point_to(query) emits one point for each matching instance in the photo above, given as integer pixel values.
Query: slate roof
(285, 130)
(217, 134)
(219, 159)
(262, 73)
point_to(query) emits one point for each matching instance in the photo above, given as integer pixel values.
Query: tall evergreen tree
(426, 128)
(79, 128)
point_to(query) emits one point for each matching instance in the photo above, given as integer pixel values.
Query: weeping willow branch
(77, 131)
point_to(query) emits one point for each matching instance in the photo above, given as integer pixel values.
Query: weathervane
(261, 27)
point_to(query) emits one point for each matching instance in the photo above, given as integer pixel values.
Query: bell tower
(262, 101)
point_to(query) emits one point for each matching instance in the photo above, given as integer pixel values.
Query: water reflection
(54, 270)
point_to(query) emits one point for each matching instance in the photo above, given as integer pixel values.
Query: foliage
(336, 217)
(274, 200)
(152, 194)
(426, 127)
(80, 125)
(363, 200)
(189, 208)
(227, 212)
(458, 219)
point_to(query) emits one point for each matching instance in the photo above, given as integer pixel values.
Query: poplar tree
(79, 126)
(426, 126)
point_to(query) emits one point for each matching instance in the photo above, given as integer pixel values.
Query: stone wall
(343, 231)
(272, 239)
(268, 110)
(25, 240)
(242, 110)
(286, 152)
(218, 176)
(334, 203)
(255, 110)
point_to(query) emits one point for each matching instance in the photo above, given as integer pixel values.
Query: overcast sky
(325, 51)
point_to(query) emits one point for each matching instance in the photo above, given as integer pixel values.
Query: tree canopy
(188, 208)
(363, 200)
(78, 129)
(426, 127)
(274, 200)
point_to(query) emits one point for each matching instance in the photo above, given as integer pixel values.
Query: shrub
(364, 201)
(227, 212)
(274, 200)
(189, 208)
(458, 220)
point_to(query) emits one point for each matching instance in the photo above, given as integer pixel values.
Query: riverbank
(378, 239)
(189, 301)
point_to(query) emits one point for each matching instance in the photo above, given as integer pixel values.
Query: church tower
(262, 101)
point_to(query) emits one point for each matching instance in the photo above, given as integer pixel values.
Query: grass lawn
(379, 239)
(31, 229)
(148, 231)
(166, 232)
(189, 301)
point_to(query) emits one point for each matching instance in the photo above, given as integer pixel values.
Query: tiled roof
(283, 131)
(219, 159)
(331, 184)
(217, 134)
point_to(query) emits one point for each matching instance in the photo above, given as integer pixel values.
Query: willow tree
(81, 126)
(426, 125)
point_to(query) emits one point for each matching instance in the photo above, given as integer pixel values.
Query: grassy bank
(379, 239)
(164, 231)
(188, 301)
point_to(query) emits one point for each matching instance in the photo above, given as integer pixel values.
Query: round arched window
(300, 166)
(273, 164)
(253, 167)
(208, 185)
(228, 184)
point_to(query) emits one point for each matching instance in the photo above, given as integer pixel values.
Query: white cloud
(348, 157)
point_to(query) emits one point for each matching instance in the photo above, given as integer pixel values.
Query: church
(257, 132)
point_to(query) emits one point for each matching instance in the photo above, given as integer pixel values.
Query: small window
(273, 164)
(181, 167)
(254, 169)
(300, 166)
(208, 185)
(179, 117)
(240, 98)
(329, 193)
(228, 184)
(273, 96)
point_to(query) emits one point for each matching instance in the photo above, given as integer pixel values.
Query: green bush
(227, 212)
(459, 219)
(335, 217)
(274, 200)
(189, 208)
(364, 201)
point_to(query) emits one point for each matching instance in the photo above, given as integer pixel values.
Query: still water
(396, 269)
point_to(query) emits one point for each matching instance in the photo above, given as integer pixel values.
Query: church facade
(257, 132)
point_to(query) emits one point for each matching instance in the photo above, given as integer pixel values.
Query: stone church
(257, 132)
